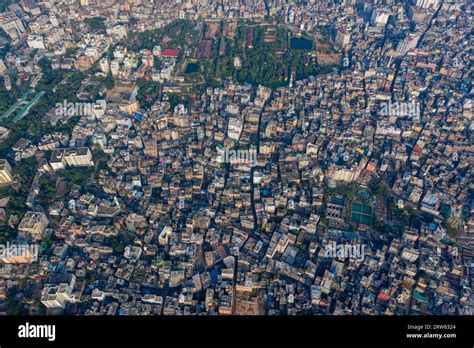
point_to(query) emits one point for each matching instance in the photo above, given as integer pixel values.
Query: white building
(78, 157)
(407, 44)
(5, 172)
(104, 65)
(425, 4)
(74, 157)
(58, 296)
(379, 18)
(120, 31)
(92, 52)
(115, 67)
(99, 108)
(35, 41)
(120, 52)
(343, 174)
(34, 223)
(234, 128)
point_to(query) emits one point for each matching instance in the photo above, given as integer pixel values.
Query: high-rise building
(115, 67)
(234, 128)
(407, 44)
(425, 4)
(78, 157)
(104, 65)
(3, 67)
(379, 18)
(5, 172)
(343, 37)
(75, 157)
(60, 294)
(11, 24)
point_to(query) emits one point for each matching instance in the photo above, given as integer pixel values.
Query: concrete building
(33, 223)
(343, 37)
(74, 157)
(11, 24)
(36, 41)
(58, 296)
(5, 172)
(104, 65)
(407, 44)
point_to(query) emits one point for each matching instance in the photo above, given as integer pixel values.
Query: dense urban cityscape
(236, 157)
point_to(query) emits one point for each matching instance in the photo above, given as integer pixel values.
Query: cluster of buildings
(170, 224)
(129, 65)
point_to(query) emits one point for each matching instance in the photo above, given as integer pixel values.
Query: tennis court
(361, 213)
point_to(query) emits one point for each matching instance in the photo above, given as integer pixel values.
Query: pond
(300, 43)
(191, 68)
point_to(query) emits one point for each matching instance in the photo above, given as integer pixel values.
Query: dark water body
(300, 43)
(191, 68)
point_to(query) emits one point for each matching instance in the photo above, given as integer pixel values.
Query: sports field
(361, 213)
